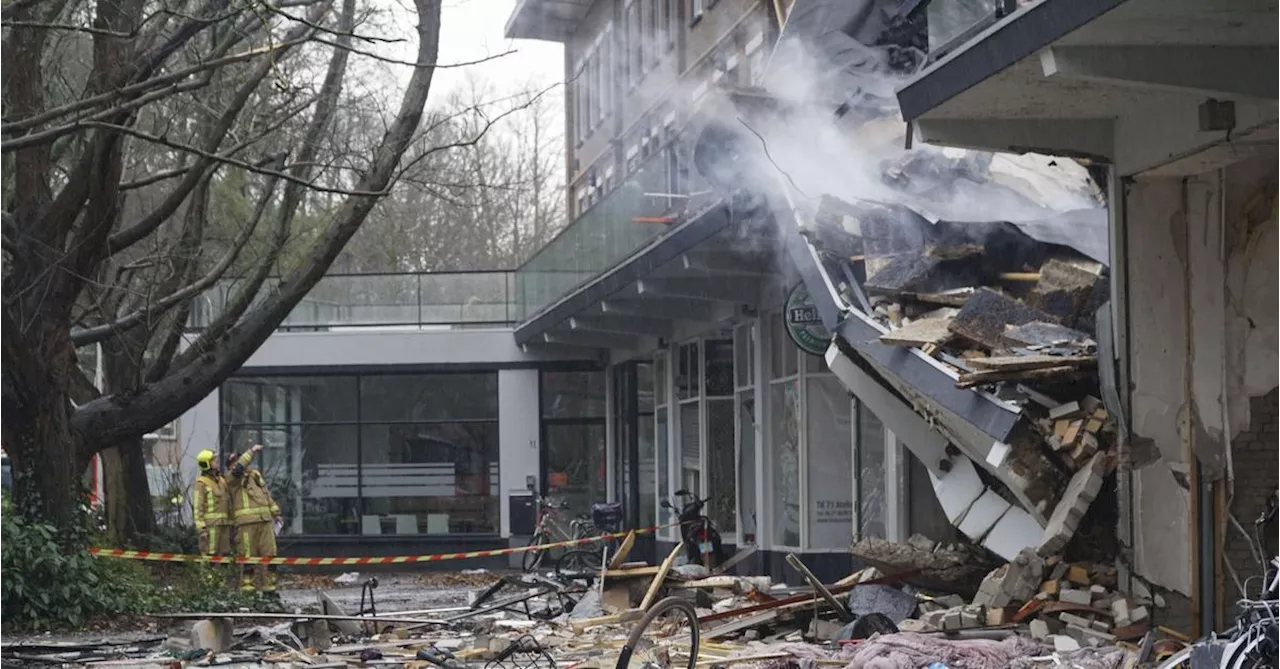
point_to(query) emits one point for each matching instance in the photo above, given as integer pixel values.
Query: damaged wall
(1202, 341)
(1157, 340)
(1256, 459)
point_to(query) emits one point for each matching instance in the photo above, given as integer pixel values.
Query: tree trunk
(35, 431)
(130, 512)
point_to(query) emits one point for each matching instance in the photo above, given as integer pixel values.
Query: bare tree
(486, 206)
(150, 147)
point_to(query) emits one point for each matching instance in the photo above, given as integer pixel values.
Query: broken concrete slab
(1066, 291)
(1015, 530)
(957, 569)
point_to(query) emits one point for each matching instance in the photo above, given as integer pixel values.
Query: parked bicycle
(1253, 642)
(552, 528)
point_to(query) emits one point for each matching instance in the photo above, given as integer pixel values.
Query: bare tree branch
(250, 167)
(163, 401)
(207, 159)
(155, 82)
(129, 321)
(321, 120)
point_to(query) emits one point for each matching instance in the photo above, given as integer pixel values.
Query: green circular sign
(803, 323)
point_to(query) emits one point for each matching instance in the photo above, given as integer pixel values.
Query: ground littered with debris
(1031, 612)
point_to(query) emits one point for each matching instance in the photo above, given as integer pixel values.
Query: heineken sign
(803, 323)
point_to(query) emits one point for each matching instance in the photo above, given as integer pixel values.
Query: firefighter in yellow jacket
(211, 507)
(254, 513)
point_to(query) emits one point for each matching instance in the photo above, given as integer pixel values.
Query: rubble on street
(1030, 612)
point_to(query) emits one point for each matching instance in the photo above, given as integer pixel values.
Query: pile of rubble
(1033, 611)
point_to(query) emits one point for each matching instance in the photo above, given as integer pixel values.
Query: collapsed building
(972, 336)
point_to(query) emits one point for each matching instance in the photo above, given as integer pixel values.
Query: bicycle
(1254, 640)
(550, 529)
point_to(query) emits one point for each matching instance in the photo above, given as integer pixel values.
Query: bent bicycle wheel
(533, 558)
(667, 636)
(581, 563)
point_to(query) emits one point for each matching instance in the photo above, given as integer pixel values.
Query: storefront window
(688, 374)
(830, 460)
(573, 394)
(870, 473)
(784, 401)
(575, 461)
(690, 448)
(373, 454)
(573, 410)
(722, 480)
(429, 478)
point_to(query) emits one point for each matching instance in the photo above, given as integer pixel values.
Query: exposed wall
(1257, 459)
(1201, 342)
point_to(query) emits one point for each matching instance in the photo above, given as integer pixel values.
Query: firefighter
(254, 513)
(211, 507)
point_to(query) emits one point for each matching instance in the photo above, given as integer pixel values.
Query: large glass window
(871, 475)
(574, 444)
(784, 405)
(373, 454)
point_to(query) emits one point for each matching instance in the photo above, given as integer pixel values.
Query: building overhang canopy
(705, 270)
(548, 20)
(1126, 82)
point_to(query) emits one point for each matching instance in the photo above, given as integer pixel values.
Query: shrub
(45, 585)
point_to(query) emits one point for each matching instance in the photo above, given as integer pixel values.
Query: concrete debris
(743, 620)
(957, 568)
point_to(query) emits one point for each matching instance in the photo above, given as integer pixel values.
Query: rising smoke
(833, 127)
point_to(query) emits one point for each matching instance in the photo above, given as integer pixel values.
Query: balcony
(606, 234)
(425, 300)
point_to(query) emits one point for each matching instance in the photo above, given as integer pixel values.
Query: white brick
(1065, 644)
(1039, 629)
(1074, 596)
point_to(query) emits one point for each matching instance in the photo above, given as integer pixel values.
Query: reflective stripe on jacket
(209, 502)
(250, 500)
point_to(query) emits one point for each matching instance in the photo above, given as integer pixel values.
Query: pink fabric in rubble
(906, 650)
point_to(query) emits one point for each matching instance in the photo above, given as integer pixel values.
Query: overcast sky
(473, 29)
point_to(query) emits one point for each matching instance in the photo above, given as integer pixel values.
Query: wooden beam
(651, 594)
(623, 550)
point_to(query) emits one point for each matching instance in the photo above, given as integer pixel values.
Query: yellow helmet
(204, 459)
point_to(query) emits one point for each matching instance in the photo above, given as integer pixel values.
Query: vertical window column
(662, 440)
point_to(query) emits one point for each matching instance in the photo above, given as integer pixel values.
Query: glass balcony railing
(953, 22)
(639, 210)
(430, 299)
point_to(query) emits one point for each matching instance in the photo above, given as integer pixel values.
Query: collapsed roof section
(961, 287)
